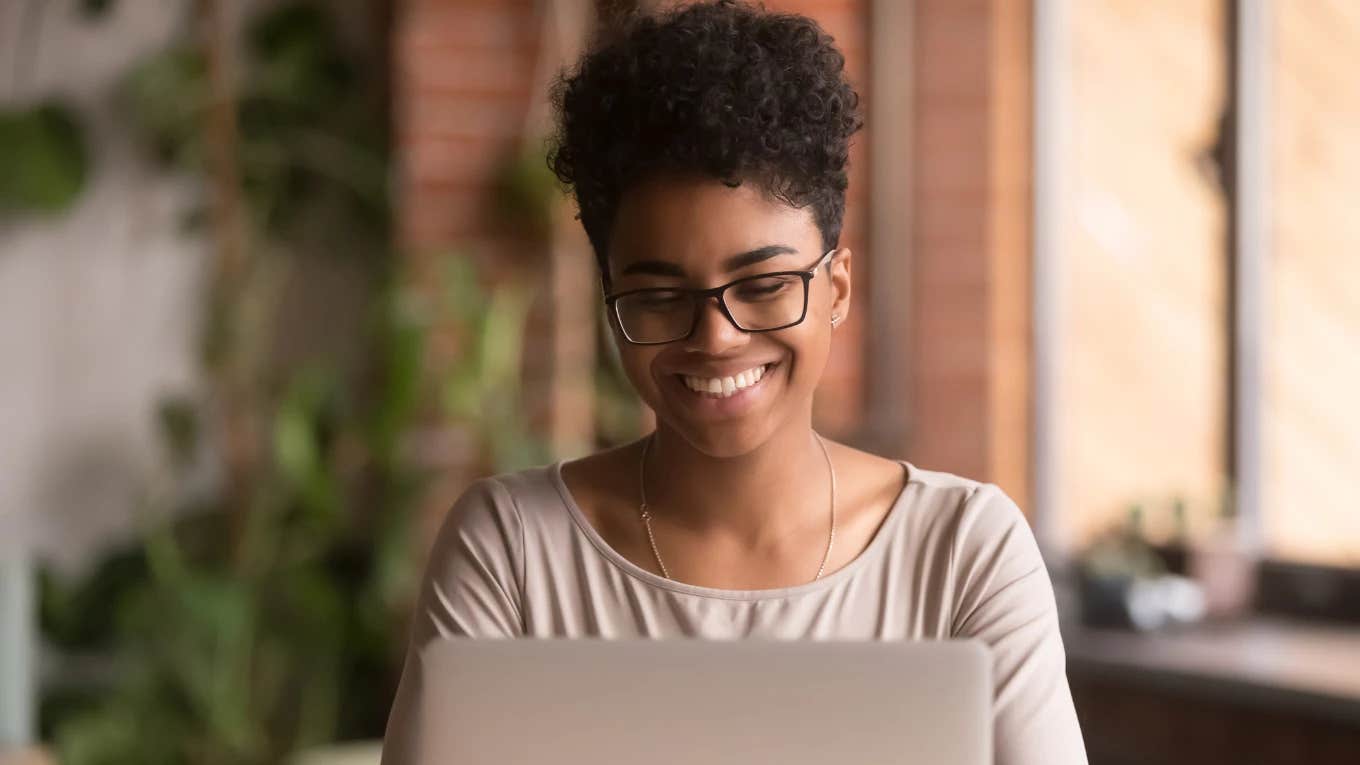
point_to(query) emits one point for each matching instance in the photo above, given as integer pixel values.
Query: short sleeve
(471, 588)
(1005, 598)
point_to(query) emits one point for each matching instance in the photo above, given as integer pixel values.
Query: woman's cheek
(639, 371)
(810, 354)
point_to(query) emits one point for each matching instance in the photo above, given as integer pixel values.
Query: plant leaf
(43, 158)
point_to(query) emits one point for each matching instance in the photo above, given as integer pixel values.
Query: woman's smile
(723, 387)
(722, 396)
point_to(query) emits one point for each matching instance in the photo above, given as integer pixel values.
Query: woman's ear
(840, 284)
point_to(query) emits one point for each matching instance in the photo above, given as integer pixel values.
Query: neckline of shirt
(884, 531)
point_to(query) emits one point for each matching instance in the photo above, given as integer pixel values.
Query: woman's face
(687, 233)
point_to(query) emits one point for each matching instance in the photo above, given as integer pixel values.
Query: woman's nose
(713, 331)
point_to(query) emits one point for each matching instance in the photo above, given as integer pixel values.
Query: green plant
(525, 192)
(43, 159)
(1122, 552)
(43, 155)
(312, 153)
(260, 618)
(481, 391)
(242, 655)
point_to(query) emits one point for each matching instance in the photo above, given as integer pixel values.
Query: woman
(707, 152)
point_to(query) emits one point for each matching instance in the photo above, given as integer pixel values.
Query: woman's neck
(756, 498)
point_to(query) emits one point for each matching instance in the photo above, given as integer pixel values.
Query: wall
(96, 323)
(970, 354)
(97, 307)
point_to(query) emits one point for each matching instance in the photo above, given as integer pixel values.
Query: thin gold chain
(646, 514)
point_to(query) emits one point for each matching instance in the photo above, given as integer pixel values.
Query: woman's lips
(721, 405)
(727, 385)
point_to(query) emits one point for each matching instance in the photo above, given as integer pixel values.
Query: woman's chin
(730, 448)
(726, 440)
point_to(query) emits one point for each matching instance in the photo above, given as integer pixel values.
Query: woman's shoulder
(975, 520)
(498, 504)
(963, 499)
(525, 485)
(940, 490)
(603, 488)
(936, 497)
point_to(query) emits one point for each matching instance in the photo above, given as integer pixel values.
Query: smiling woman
(707, 150)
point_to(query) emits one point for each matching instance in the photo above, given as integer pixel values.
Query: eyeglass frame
(701, 296)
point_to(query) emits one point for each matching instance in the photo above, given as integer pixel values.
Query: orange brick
(473, 71)
(466, 26)
(465, 116)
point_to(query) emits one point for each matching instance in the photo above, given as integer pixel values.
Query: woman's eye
(658, 300)
(761, 289)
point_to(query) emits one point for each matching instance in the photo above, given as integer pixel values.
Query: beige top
(953, 558)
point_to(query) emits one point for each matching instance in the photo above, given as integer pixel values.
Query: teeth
(726, 386)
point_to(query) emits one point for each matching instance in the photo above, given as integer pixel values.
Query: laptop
(674, 702)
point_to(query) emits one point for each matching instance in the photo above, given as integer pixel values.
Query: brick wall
(465, 72)
(463, 94)
(970, 343)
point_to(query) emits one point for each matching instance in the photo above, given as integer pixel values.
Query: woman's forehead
(703, 224)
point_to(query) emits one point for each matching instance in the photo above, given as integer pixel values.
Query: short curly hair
(724, 88)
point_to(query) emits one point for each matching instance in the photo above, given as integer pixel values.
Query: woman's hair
(721, 88)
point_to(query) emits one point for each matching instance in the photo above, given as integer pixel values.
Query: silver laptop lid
(689, 701)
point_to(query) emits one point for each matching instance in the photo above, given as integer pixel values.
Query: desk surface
(1315, 669)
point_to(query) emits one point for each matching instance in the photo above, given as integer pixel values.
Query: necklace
(646, 514)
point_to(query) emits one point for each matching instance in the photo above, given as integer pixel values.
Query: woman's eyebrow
(738, 262)
(734, 263)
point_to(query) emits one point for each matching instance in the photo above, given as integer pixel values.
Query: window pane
(1311, 485)
(1142, 407)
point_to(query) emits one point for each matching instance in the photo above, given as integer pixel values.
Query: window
(1209, 332)
(1310, 416)
(1141, 354)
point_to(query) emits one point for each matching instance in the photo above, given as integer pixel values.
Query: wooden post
(228, 375)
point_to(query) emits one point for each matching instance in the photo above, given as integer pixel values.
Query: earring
(835, 319)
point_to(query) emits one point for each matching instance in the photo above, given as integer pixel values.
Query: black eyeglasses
(762, 303)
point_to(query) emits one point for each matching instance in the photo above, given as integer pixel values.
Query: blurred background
(279, 278)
